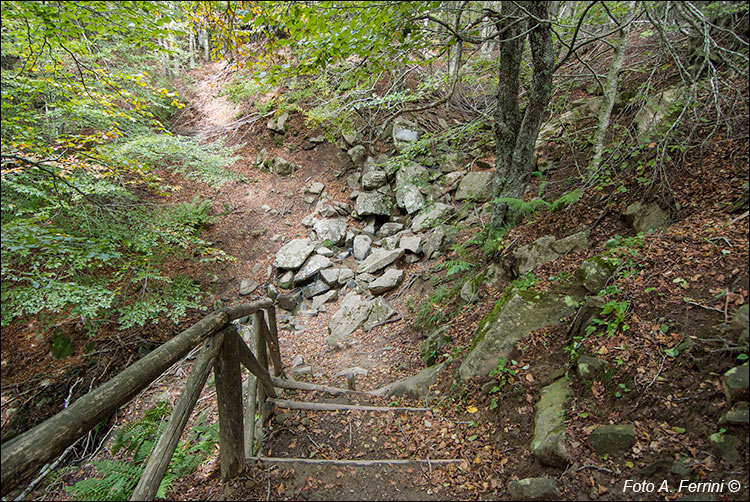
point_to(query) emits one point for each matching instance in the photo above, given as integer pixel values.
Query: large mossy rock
(431, 216)
(548, 444)
(533, 489)
(547, 248)
(644, 217)
(515, 315)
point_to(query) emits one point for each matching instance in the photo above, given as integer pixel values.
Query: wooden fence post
(262, 356)
(229, 397)
(273, 341)
(158, 462)
(251, 406)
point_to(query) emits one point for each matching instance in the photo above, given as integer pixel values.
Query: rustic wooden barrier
(25, 454)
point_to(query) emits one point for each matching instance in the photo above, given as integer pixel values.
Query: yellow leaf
(472, 409)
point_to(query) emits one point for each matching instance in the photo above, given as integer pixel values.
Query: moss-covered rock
(515, 315)
(548, 444)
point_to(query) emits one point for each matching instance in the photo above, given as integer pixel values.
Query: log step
(380, 461)
(300, 405)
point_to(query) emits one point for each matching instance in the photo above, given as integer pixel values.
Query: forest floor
(674, 402)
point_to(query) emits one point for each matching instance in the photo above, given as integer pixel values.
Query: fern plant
(120, 477)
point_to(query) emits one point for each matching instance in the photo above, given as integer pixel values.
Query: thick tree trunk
(516, 131)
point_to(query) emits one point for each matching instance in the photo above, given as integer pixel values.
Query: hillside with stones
(598, 339)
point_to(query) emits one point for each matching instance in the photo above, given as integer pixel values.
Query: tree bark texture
(516, 131)
(610, 91)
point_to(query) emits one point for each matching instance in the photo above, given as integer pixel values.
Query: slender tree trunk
(516, 131)
(610, 91)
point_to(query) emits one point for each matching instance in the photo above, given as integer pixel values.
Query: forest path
(258, 218)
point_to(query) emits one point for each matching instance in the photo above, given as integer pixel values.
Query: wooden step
(380, 461)
(301, 405)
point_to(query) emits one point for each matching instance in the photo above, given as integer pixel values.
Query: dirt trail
(261, 217)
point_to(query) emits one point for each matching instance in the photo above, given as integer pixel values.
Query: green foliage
(206, 163)
(525, 282)
(84, 128)
(138, 439)
(195, 214)
(611, 319)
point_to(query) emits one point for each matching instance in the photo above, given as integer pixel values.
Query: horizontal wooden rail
(25, 454)
(301, 405)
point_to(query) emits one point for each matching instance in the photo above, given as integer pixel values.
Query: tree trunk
(610, 91)
(516, 131)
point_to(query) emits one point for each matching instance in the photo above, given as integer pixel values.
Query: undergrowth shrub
(137, 440)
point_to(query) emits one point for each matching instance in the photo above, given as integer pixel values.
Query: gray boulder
(546, 249)
(286, 281)
(415, 386)
(330, 275)
(650, 119)
(645, 217)
(594, 273)
(379, 259)
(612, 439)
(293, 254)
(431, 215)
(405, 133)
(727, 446)
(533, 489)
(738, 415)
(412, 243)
(430, 348)
(332, 229)
(361, 246)
(374, 179)
(475, 186)
(386, 282)
(454, 161)
(380, 310)
(389, 228)
(548, 444)
(278, 123)
(311, 267)
(352, 313)
(358, 154)
(282, 167)
(328, 296)
(589, 367)
(375, 203)
(247, 286)
(316, 188)
(514, 316)
(735, 383)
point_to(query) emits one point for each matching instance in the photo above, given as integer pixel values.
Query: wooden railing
(223, 349)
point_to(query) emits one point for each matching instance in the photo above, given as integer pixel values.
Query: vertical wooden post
(273, 339)
(262, 356)
(251, 406)
(229, 397)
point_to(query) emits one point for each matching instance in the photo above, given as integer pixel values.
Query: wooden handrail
(25, 454)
